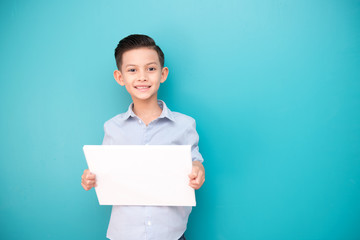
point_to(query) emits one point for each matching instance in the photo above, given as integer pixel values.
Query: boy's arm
(197, 175)
(88, 179)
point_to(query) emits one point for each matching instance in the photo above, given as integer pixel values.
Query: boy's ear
(164, 74)
(118, 77)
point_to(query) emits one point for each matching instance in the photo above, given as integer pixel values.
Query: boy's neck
(147, 111)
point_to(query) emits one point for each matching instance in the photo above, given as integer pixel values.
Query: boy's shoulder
(117, 119)
(182, 117)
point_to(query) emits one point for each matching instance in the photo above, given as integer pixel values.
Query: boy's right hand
(88, 180)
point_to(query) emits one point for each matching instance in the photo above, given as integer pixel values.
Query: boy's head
(140, 67)
(135, 41)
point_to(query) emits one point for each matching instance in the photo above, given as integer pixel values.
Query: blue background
(274, 87)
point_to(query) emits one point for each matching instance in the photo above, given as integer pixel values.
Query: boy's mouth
(142, 87)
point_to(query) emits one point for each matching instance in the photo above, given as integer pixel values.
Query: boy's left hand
(197, 175)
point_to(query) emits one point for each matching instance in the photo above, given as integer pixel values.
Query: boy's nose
(142, 76)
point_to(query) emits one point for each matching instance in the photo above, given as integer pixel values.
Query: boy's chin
(144, 98)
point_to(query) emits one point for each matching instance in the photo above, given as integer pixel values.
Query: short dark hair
(136, 41)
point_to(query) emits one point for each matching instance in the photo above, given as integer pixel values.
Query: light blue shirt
(150, 222)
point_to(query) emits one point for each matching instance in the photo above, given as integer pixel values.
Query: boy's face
(141, 73)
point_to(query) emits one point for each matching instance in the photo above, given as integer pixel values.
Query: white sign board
(155, 175)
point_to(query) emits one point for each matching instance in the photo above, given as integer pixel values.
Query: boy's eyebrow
(127, 65)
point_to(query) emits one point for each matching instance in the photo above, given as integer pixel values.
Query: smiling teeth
(142, 87)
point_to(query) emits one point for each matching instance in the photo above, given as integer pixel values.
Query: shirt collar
(166, 113)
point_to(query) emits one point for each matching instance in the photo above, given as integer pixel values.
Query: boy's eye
(152, 69)
(131, 70)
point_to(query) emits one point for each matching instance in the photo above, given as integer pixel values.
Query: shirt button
(149, 223)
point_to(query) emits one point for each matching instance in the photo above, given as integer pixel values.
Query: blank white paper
(155, 175)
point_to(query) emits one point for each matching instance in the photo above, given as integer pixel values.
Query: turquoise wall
(274, 87)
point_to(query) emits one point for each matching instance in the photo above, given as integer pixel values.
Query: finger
(89, 182)
(194, 172)
(194, 186)
(201, 183)
(89, 185)
(200, 177)
(192, 176)
(91, 176)
(84, 175)
(193, 182)
(85, 187)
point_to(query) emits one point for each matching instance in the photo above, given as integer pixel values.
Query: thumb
(193, 174)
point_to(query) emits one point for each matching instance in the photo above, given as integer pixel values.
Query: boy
(140, 64)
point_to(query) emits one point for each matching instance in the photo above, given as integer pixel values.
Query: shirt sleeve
(107, 138)
(193, 138)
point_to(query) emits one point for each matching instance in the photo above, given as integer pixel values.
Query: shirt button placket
(148, 224)
(149, 233)
(146, 135)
